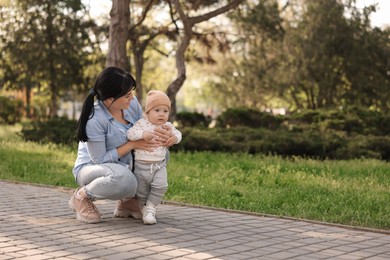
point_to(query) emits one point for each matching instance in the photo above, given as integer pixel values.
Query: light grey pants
(152, 181)
(107, 181)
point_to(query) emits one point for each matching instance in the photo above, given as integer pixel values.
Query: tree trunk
(138, 56)
(53, 91)
(28, 101)
(184, 42)
(53, 100)
(52, 70)
(119, 25)
(175, 86)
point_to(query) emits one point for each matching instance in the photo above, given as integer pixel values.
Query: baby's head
(155, 98)
(157, 106)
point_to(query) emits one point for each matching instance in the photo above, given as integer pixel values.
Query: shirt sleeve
(135, 132)
(96, 145)
(98, 153)
(95, 130)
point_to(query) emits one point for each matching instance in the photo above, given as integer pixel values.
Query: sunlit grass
(348, 192)
(31, 162)
(355, 192)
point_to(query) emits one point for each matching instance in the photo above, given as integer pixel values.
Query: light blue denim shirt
(105, 134)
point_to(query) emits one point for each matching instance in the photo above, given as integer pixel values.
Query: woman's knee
(126, 183)
(129, 179)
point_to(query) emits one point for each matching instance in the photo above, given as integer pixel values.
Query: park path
(36, 223)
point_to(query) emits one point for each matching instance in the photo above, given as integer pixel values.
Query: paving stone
(32, 231)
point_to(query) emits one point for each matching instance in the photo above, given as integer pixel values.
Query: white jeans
(107, 181)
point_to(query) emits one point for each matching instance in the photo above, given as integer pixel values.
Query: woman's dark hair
(112, 82)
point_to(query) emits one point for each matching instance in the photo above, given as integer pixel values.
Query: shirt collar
(105, 110)
(126, 113)
(127, 116)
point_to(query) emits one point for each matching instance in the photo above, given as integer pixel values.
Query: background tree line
(320, 60)
(307, 55)
(262, 54)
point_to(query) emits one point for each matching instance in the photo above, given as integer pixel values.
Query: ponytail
(86, 113)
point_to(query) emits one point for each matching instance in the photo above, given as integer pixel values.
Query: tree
(140, 36)
(247, 77)
(317, 47)
(337, 61)
(45, 45)
(119, 31)
(309, 54)
(367, 64)
(188, 22)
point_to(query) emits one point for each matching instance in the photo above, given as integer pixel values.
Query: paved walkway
(35, 223)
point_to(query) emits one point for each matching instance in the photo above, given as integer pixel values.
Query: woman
(104, 161)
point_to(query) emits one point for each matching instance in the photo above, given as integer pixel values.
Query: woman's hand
(171, 141)
(148, 136)
(139, 144)
(146, 145)
(162, 134)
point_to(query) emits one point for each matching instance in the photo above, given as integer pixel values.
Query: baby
(150, 167)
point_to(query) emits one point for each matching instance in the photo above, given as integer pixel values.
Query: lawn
(355, 192)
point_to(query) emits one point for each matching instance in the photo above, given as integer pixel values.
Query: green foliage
(58, 130)
(45, 48)
(256, 141)
(361, 146)
(321, 134)
(234, 117)
(10, 110)
(247, 78)
(192, 119)
(308, 116)
(318, 58)
(349, 134)
(200, 140)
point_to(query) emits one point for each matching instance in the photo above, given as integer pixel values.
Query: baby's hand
(147, 136)
(162, 134)
(166, 127)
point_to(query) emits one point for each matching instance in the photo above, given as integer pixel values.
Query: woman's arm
(139, 144)
(98, 153)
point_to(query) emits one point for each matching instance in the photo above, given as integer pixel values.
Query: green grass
(35, 163)
(355, 192)
(347, 192)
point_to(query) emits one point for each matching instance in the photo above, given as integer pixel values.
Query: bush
(366, 121)
(58, 130)
(330, 135)
(189, 119)
(264, 141)
(383, 125)
(196, 139)
(380, 145)
(249, 118)
(10, 110)
(350, 124)
(308, 143)
(356, 148)
(308, 116)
